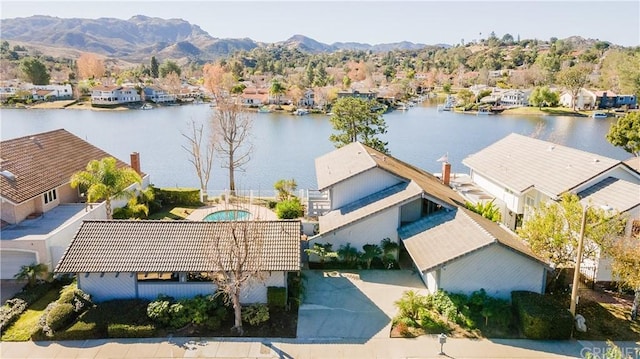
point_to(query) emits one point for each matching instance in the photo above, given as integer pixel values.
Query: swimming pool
(228, 215)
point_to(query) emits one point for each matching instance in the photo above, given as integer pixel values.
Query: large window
(158, 277)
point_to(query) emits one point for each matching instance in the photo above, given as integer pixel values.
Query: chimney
(446, 172)
(135, 162)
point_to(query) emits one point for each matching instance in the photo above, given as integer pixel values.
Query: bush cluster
(178, 196)
(11, 311)
(118, 330)
(277, 297)
(255, 314)
(540, 317)
(209, 311)
(59, 314)
(289, 209)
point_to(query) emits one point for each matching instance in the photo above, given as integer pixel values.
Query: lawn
(552, 111)
(21, 330)
(175, 213)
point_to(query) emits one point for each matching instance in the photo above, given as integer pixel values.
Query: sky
(372, 22)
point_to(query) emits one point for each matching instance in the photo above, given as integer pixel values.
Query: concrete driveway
(9, 288)
(352, 304)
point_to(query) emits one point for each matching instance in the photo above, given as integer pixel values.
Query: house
(307, 99)
(157, 95)
(50, 92)
(371, 196)
(514, 98)
(365, 95)
(40, 211)
(523, 173)
(113, 95)
(628, 101)
(584, 100)
(609, 99)
(119, 259)
(254, 97)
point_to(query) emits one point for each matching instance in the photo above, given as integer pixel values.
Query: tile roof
(444, 236)
(616, 193)
(44, 161)
(519, 162)
(178, 246)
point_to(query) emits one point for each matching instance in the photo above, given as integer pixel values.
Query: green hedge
(60, 315)
(289, 209)
(276, 297)
(178, 196)
(130, 331)
(540, 317)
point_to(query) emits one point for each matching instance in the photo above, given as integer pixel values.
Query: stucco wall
(360, 186)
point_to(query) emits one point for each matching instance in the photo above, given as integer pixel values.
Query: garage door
(12, 261)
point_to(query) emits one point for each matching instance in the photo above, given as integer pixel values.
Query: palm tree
(32, 272)
(389, 249)
(371, 251)
(276, 90)
(104, 181)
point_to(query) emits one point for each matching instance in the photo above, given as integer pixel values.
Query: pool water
(228, 215)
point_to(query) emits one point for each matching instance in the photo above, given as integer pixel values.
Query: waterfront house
(40, 211)
(157, 95)
(254, 97)
(609, 99)
(142, 259)
(514, 98)
(370, 196)
(584, 100)
(114, 95)
(523, 173)
(307, 99)
(363, 94)
(50, 92)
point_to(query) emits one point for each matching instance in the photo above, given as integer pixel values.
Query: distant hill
(141, 37)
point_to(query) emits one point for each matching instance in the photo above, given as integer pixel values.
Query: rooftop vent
(595, 160)
(551, 148)
(8, 175)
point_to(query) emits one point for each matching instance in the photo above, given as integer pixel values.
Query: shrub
(431, 325)
(410, 304)
(276, 297)
(11, 311)
(158, 311)
(539, 317)
(445, 306)
(199, 310)
(60, 315)
(289, 209)
(178, 196)
(130, 331)
(255, 314)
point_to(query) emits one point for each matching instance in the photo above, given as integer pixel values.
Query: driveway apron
(354, 305)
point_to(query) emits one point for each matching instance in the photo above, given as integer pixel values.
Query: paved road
(422, 347)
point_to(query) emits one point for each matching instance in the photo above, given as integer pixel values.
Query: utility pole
(576, 273)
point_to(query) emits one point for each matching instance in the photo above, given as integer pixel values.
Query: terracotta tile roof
(43, 161)
(520, 162)
(178, 246)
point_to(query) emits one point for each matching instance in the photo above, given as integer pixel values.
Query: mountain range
(140, 37)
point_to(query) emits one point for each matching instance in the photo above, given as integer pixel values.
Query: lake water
(285, 146)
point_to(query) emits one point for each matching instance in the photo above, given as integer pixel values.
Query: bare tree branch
(202, 161)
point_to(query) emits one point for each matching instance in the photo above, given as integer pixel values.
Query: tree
(154, 67)
(573, 79)
(625, 266)
(553, 230)
(355, 120)
(34, 71)
(277, 89)
(232, 126)
(625, 133)
(285, 189)
(371, 251)
(103, 180)
(323, 251)
(32, 272)
(90, 66)
(236, 254)
(544, 97)
(200, 155)
(168, 67)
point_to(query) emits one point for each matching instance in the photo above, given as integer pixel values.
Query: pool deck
(257, 212)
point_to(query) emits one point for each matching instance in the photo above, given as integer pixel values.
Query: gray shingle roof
(617, 193)
(444, 236)
(341, 164)
(179, 246)
(519, 162)
(44, 161)
(370, 205)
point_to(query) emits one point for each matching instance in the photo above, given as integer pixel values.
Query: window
(158, 277)
(50, 196)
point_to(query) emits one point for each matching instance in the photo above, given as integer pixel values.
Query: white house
(514, 98)
(372, 196)
(523, 173)
(40, 212)
(141, 259)
(113, 95)
(584, 100)
(54, 92)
